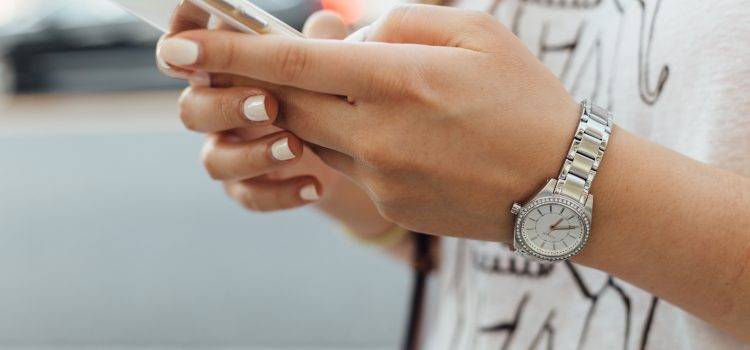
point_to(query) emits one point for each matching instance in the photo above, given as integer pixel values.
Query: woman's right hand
(262, 167)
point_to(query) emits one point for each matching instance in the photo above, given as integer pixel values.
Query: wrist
(555, 224)
(532, 164)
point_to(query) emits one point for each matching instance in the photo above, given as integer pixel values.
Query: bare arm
(446, 148)
(675, 227)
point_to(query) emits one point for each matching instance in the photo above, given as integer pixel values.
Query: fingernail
(163, 64)
(255, 108)
(179, 52)
(281, 151)
(309, 193)
(200, 79)
(167, 70)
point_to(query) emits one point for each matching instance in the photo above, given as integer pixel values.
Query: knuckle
(291, 62)
(417, 88)
(228, 57)
(482, 20)
(411, 84)
(396, 16)
(228, 106)
(479, 25)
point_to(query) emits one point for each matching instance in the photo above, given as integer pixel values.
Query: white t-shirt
(674, 71)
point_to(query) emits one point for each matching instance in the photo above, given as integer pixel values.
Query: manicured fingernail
(167, 70)
(163, 64)
(179, 52)
(255, 109)
(281, 151)
(309, 193)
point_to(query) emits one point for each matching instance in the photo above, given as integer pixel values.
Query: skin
(254, 179)
(452, 120)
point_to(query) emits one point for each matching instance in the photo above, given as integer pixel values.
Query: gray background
(117, 238)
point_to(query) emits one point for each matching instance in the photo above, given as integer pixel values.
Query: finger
(322, 119)
(341, 162)
(436, 26)
(251, 133)
(188, 16)
(210, 110)
(229, 80)
(325, 120)
(271, 195)
(178, 72)
(226, 159)
(325, 25)
(333, 67)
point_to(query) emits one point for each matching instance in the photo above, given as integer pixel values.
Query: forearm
(675, 227)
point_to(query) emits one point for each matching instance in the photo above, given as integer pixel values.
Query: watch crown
(515, 209)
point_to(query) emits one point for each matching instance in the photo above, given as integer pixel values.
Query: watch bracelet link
(586, 152)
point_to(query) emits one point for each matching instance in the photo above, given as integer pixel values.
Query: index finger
(188, 16)
(326, 66)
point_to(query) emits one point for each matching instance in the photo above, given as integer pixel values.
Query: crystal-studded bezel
(571, 204)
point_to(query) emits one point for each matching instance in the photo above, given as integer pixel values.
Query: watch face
(552, 228)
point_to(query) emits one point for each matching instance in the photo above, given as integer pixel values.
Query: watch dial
(553, 229)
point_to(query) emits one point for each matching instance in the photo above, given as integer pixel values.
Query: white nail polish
(309, 193)
(255, 109)
(167, 70)
(180, 52)
(281, 151)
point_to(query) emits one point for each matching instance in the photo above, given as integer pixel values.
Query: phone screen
(156, 13)
(240, 14)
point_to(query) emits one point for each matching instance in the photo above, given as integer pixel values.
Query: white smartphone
(240, 14)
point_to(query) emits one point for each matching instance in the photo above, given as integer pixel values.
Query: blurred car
(92, 46)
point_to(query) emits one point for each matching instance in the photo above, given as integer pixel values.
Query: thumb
(436, 26)
(326, 25)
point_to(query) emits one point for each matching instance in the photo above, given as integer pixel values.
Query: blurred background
(112, 236)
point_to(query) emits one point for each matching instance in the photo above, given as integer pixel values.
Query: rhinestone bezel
(533, 205)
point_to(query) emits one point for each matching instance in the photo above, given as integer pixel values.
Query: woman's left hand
(450, 120)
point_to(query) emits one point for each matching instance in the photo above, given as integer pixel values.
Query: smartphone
(240, 14)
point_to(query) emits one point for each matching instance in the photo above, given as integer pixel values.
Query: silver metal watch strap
(585, 153)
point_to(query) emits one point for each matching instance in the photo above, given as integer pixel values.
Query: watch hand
(564, 228)
(557, 223)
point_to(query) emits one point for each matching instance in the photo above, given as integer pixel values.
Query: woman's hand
(263, 167)
(453, 118)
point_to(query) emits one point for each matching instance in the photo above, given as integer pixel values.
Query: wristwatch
(555, 224)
